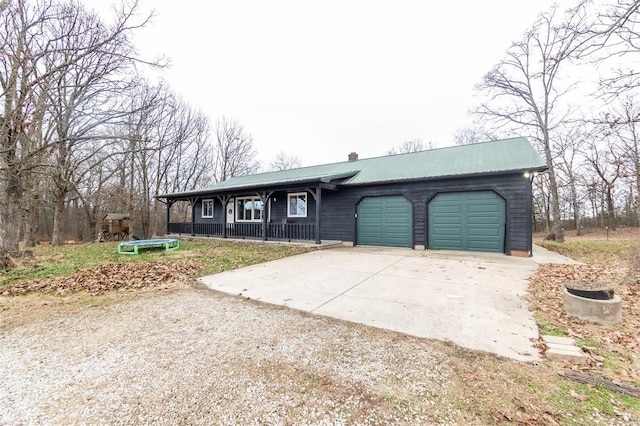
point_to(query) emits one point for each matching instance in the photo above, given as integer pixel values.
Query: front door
(231, 211)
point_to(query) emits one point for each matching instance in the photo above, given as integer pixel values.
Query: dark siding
(218, 211)
(339, 207)
(279, 208)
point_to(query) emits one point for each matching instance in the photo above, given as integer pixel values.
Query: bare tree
(174, 153)
(93, 59)
(60, 74)
(475, 134)
(285, 161)
(525, 88)
(411, 145)
(623, 126)
(234, 154)
(567, 151)
(541, 202)
(617, 32)
(70, 141)
(19, 24)
(607, 163)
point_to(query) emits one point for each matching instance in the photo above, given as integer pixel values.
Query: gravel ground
(193, 356)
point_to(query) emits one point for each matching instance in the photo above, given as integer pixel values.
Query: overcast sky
(321, 79)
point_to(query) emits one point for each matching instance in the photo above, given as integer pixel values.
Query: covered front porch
(268, 231)
(281, 211)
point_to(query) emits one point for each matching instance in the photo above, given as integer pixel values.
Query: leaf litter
(109, 277)
(612, 348)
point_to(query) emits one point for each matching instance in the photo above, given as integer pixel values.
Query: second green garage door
(473, 221)
(385, 221)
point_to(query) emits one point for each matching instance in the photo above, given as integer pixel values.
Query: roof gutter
(448, 177)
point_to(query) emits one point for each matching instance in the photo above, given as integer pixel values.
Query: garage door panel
(479, 232)
(478, 224)
(489, 224)
(449, 231)
(385, 221)
(481, 210)
(479, 245)
(452, 209)
(449, 244)
(372, 209)
(448, 220)
(397, 218)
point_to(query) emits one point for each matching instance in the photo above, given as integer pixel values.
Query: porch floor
(295, 243)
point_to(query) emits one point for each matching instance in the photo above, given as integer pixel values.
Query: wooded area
(83, 132)
(571, 85)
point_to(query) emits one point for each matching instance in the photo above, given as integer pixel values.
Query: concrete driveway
(471, 299)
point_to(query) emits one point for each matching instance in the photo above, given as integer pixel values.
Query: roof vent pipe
(353, 156)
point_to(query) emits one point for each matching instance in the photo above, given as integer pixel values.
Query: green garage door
(473, 221)
(385, 221)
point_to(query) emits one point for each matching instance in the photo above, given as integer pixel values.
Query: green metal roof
(507, 155)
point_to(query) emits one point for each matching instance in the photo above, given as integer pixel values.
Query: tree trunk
(58, 212)
(611, 208)
(30, 219)
(9, 219)
(30, 226)
(5, 260)
(10, 216)
(553, 189)
(576, 206)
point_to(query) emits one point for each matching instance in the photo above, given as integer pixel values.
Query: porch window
(297, 205)
(207, 208)
(249, 209)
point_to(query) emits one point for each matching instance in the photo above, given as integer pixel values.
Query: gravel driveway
(193, 356)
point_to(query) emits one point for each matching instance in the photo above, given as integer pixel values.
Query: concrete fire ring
(599, 311)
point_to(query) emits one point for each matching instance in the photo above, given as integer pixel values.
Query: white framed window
(207, 208)
(249, 209)
(297, 204)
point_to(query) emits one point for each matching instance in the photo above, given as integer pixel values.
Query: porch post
(193, 215)
(264, 197)
(264, 220)
(318, 198)
(224, 199)
(169, 204)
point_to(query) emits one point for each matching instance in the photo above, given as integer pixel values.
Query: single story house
(472, 197)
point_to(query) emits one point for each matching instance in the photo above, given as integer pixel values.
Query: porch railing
(291, 231)
(275, 231)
